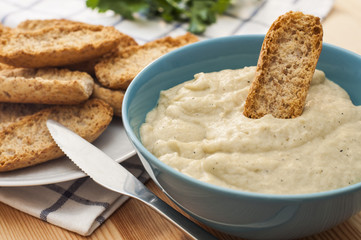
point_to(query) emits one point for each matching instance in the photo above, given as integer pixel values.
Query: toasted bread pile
(72, 72)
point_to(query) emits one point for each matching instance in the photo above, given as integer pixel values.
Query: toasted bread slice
(46, 86)
(27, 142)
(117, 71)
(57, 46)
(286, 64)
(113, 97)
(4, 29)
(11, 112)
(5, 66)
(37, 24)
(89, 66)
(86, 66)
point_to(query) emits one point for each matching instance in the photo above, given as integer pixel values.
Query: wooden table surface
(135, 221)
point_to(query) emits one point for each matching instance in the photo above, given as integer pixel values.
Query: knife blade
(108, 173)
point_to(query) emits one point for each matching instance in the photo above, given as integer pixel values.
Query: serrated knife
(108, 173)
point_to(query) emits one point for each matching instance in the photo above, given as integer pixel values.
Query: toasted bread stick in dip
(285, 67)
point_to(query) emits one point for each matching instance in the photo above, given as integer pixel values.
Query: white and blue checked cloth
(81, 205)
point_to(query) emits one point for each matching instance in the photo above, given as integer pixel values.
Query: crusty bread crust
(27, 142)
(113, 97)
(286, 64)
(5, 66)
(117, 71)
(37, 24)
(45, 86)
(58, 46)
(4, 29)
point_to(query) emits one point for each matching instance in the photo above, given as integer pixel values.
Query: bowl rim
(215, 188)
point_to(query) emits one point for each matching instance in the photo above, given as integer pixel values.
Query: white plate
(113, 142)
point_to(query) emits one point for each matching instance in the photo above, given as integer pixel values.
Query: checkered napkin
(81, 205)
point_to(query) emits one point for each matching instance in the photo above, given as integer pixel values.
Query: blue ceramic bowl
(244, 214)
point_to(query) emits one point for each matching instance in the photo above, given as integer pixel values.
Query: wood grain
(136, 221)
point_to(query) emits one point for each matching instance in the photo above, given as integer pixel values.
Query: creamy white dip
(199, 129)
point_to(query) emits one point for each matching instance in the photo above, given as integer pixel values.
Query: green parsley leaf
(198, 13)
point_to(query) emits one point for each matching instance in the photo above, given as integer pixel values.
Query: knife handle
(175, 217)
